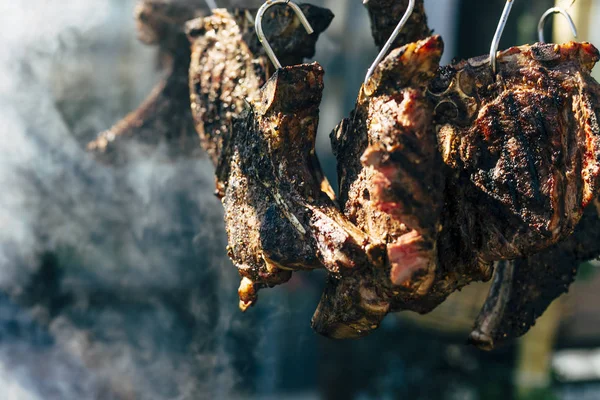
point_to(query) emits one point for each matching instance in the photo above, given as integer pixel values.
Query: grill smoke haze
(109, 275)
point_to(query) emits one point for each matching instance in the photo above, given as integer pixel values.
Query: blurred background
(114, 282)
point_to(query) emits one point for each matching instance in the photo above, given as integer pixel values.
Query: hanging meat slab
(229, 65)
(395, 194)
(278, 210)
(165, 116)
(524, 145)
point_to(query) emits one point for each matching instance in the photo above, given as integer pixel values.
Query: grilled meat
(524, 145)
(401, 176)
(524, 288)
(278, 210)
(524, 151)
(165, 116)
(229, 65)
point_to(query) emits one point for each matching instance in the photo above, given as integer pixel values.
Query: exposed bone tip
(247, 293)
(245, 306)
(481, 340)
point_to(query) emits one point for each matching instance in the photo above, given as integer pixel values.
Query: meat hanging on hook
(228, 67)
(525, 147)
(401, 175)
(522, 289)
(165, 116)
(280, 213)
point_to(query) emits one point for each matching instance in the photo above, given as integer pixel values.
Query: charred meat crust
(278, 218)
(229, 66)
(401, 171)
(524, 145)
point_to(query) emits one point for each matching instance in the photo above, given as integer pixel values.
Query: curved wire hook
(261, 34)
(499, 32)
(388, 44)
(555, 10)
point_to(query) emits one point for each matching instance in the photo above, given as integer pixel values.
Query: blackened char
(278, 210)
(395, 195)
(524, 146)
(229, 66)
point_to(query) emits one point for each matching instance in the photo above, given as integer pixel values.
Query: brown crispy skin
(524, 145)
(278, 218)
(525, 154)
(402, 175)
(229, 66)
(165, 116)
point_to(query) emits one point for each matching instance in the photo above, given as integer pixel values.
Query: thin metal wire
(388, 44)
(499, 32)
(555, 10)
(212, 4)
(261, 34)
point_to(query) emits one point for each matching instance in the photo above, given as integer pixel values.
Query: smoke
(115, 281)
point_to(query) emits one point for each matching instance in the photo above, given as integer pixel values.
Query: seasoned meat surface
(229, 65)
(524, 288)
(524, 145)
(278, 211)
(401, 176)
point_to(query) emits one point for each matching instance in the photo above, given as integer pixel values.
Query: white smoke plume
(110, 277)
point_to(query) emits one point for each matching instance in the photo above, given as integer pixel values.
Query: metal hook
(555, 10)
(499, 31)
(388, 44)
(261, 35)
(212, 4)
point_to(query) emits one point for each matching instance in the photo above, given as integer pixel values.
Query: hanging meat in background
(165, 116)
